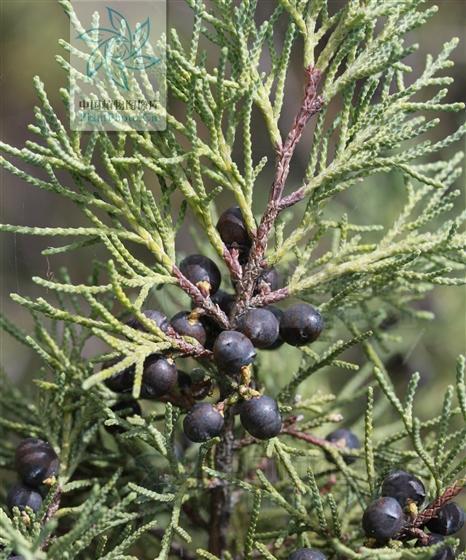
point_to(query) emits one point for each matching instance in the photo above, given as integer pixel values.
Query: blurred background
(29, 32)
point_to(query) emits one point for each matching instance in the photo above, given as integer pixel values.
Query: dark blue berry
(445, 553)
(307, 554)
(203, 422)
(159, 378)
(449, 520)
(301, 324)
(157, 316)
(261, 417)
(124, 409)
(202, 272)
(36, 461)
(188, 323)
(260, 326)
(15, 557)
(233, 231)
(383, 519)
(22, 496)
(404, 487)
(120, 382)
(232, 351)
(344, 439)
(278, 315)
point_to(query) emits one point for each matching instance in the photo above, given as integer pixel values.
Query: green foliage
(142, 493)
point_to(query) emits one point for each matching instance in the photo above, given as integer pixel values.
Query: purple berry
(344, 439)
(122, 381)
(202, 272)
(224, 300)
(188, 323)
(269, 277)
(261, 417)
(232, 351)
(157, 316)
(22, 496)
(260, 326)
(383, 519)
(445, 553)
(278, 315)
(404, 487)
(301, 324)
(203, 422)
(159, 378)
(233, 231)
(449, 520)
(36, 461)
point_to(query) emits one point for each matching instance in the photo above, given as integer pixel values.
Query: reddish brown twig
(271, 297)
(433, 508)
(310, 438)
(201, 300)
(231, 258)
(311, 104)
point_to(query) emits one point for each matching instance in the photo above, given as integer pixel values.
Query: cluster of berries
(401, 496)
(37, 466)
(234, 350)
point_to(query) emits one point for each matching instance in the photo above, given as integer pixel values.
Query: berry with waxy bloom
(232, 351)
(260, 326)
(261, 417)
(383, 519)
(301, 324)
(203, 422)
(202, 272)
(404, 487)
(36, 461)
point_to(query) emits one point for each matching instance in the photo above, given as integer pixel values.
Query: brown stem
(201, 300)
(432, 509)
(220, 500)
(271, 297)
(311, 104)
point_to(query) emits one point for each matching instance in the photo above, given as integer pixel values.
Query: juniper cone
(278, 315)
(22, 496)
(404, 487)
(120, 382)
(202, 423)
(232, 229)
(260, 326)
(159, 377)
(156, 316)
(260, 417)
(201, 271)
(301, 324)
(445, 553)
(187, 323)
(233, 351)
(448, 521)
(383, 519)
(290, 174)
(344, 439)
(36, 462)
